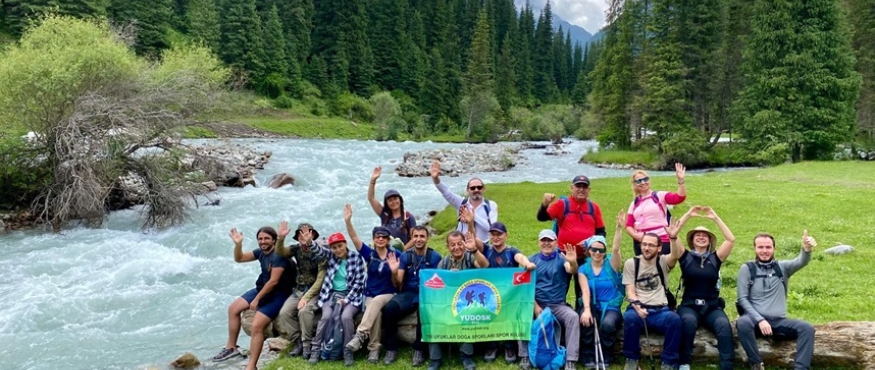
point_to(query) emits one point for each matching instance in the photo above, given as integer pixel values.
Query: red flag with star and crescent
(524, 277)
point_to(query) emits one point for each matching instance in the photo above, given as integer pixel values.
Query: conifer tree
(862, 19)
(275, 61)
(202, 18)
(505, 78)
(479, 101)
(545, 83)
(15, 14)
(152, 21)
(524, 45)
(612, 82)
(241, 44)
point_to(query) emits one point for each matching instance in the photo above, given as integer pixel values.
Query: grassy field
(833, 200)
(631, 157)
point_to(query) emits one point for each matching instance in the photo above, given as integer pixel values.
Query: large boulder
(246, 323)
(456, 161)
(279, 180)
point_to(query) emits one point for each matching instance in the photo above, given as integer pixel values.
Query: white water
(120, 298)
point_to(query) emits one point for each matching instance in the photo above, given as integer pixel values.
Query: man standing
(577, 218)
(765, 305)
(485, 211)
(297, 318)
(552, 270)
(406, 302)
(645, 278)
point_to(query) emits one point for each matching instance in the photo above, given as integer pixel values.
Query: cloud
(589, 14)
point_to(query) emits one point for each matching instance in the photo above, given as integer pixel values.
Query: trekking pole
(650, 345)
(599, 353)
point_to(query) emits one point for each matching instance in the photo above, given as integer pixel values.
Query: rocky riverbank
(457, 161)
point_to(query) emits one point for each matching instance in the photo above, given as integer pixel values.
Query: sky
(589, 14)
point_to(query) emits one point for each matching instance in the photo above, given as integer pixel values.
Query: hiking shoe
(569, 365)
(296, 350)
(225, 354)
(391, 356)
(348, 357)
(589, 365)
(467, 362)
(684, 367)
(509, 356)
(356, 342)
(631, 364)
(434, 364)
(374, 356)
(758, 366)
(490, 355)
(418, 358)
(525, 364)
(306, 353)
(666, 366)
(314, 357)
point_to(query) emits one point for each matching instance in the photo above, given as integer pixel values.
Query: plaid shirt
(356, 275)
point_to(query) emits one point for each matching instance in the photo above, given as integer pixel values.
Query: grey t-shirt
(767, 297)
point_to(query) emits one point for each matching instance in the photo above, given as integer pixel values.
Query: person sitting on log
(763, 306)
(700, 273)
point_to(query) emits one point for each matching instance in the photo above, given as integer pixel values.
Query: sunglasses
(475, 188)
(381, 236)
(581, 186)
(598, 250)
(642, 180)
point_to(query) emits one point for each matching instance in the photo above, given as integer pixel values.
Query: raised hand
(283, 230)
(570, 253)
(347, 212)
(376, 174)
(435, 170)
(808, 242)
(709, 213)
(621, 219)
(673, 229)
(465, 214)
(548, 198)
(236, 236)
(694, 211)
(470, 242)
(393, 261)
(679, 171)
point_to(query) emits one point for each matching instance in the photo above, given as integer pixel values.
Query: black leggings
(401, 305)
(714, 320)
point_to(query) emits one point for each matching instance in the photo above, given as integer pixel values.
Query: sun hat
(701, 229)
(301, 226)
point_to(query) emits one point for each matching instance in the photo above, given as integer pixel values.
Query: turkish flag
(524, 277)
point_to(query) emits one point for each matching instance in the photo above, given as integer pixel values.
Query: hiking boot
(296, 350)
(758, 366)
(418, 358)
(467, 362)
(666, 366)
(490, 355)
(391, 356)
(569, 365)
(314, 357)
(509, 356)
(684, 367)
(374, 356)
(434, 364)
(306, 353)
(348, 357)
(356, 342)
(525, 364)
(225, 354)
(631, 364)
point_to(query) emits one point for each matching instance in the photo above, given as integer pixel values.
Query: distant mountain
(578, 34)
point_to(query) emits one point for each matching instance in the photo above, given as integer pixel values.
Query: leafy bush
(685, 147)
(22, 174)
(316, 106)
(284, 102)
(272, 86)
(387, 116)
(352, 107)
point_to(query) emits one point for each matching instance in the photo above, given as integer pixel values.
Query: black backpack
(332, 338)
(752, 266)
(672, 301)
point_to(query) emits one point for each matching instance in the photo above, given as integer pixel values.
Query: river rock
(277, 344)
(280, 179)
(839, 249)
(456, 161)
(186, 361)
(246, 323)
(227, 164)
(2, 227)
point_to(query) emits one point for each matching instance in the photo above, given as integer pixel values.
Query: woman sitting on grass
(648, 212)
(700, 273)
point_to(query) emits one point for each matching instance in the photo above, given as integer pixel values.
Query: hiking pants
(401, 305)
(662, 320)
(371, 321)
(295, 324)
(578, 294)
(803, 332)
(346, 319)
(714, 320)
(608, 329)
(570, 322)
(434, 350)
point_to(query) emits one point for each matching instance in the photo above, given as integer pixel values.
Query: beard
(476, 196)
(648, 257)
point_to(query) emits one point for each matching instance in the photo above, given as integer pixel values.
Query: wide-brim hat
(301, 226)
(701, 229)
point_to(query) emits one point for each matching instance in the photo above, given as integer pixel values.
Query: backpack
(751, 265)
(392, 250)
(686, 261)
(485, 205)
(332, 339)
(615, 278)
(505, 254)
(408, 258)
(405, 224)
(672, 301)
(655, 198)
(544, 349)
(557, 222)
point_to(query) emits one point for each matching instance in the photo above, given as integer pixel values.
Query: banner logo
(476, 302)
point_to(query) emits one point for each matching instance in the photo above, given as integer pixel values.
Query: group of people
(310, 278)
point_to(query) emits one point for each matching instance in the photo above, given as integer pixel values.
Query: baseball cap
(336, 238)
(381, 230)
(301, 226)
(498, 226)
(548, 234)
(391, 193)
(580, 179)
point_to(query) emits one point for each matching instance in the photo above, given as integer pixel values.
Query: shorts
(270, 305)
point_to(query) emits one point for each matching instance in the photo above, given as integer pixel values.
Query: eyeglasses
(581, 186)
(475, 188)
(381, 236)
(642, 180)
(649, 245)
(598, 250)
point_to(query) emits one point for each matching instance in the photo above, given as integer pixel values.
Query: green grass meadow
(835, 201)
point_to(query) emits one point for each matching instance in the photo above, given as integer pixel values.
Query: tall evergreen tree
(505, 76)
(613, 81)
(524, 57)
(203, 22)
(545, 88)
(17, 13)
(862, 18)
(801, 86)
(297, 18)
(479, 101)
(241, 41)
(275, 61)
(151, 19)
(390, 42)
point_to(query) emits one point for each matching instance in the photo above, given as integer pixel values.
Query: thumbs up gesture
(808, 242)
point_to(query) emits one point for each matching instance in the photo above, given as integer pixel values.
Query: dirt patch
(238, 130)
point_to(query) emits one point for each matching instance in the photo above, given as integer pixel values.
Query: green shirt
(339, 280)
